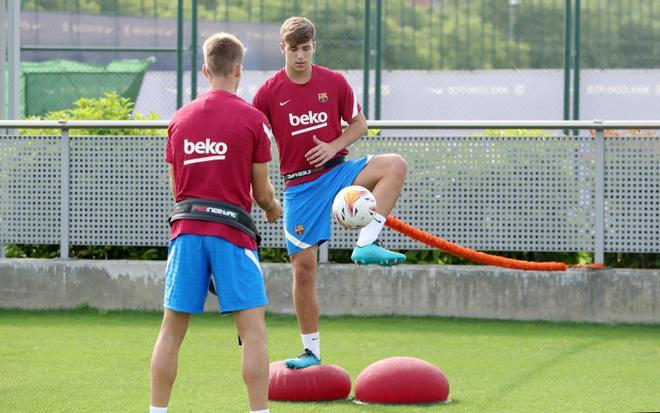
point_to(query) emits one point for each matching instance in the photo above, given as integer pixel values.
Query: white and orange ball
(354, 207)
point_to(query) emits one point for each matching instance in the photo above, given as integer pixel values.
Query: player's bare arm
(324, 151)
(263, 192)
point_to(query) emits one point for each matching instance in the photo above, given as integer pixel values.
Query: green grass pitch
(97, 361)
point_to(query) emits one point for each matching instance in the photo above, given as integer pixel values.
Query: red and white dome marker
(401, 380)
(316, 383)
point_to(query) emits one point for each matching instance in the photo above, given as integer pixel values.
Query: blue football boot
(307, 359)
(375, 254)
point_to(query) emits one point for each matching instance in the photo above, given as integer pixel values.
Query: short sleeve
(349, 107)
(260, 101)
(169, 150)
(263, 141)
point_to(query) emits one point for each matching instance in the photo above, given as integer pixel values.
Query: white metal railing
(372, 124)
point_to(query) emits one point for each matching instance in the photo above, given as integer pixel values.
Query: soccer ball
(354, 207)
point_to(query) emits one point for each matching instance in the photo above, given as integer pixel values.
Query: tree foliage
(110, 106)
(443, 34)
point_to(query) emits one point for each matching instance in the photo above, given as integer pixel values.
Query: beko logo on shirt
(318, 120)
(308, 118)
(205, 147)
(217, 150)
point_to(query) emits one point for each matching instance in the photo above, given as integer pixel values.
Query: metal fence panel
(30, 192)
(632, 194)
(492, 193)
(120, 191)
(485, 192)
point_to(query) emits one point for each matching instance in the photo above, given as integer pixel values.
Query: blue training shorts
(193, 259)
(307, 207)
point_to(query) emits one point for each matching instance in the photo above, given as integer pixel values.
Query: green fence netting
(55, 84)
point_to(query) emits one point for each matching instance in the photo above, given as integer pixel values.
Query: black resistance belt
(216, 211)
(305, 172)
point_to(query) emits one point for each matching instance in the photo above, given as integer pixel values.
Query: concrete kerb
(602, 296)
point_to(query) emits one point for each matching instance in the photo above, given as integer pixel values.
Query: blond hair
(222, 52)
(297, 30)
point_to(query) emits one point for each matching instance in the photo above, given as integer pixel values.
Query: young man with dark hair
(305, 103)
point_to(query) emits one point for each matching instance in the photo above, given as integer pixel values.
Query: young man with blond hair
(305, 103)
(218, 148)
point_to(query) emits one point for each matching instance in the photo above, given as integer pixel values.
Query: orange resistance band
(473, 255)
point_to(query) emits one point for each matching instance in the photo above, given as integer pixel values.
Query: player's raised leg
(166, 355)
(307, 307)
(383, 176)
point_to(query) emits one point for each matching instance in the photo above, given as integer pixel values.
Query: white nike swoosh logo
(285, 102)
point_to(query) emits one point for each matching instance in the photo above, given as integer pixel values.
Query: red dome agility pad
(316, 383)
(401, 380)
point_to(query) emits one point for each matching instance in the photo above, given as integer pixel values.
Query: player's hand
(321, 153)
(274, 212)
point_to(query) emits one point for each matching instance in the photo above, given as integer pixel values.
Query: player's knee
(255, 344)
(399, 166)
(255, 335)
(304, 281)
(304, 277)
